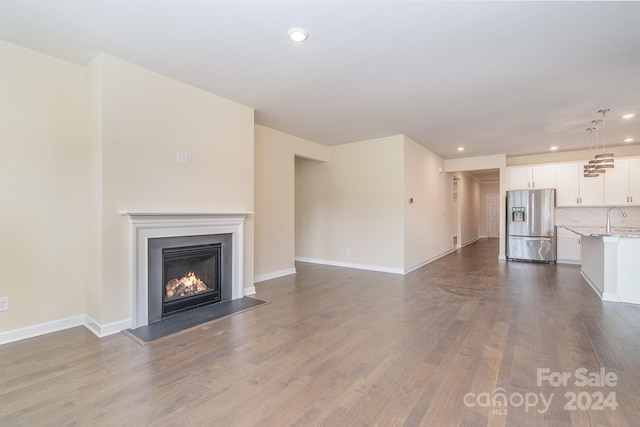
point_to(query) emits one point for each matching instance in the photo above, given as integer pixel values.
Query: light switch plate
(4, 303)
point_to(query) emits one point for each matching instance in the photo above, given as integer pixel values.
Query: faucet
(609, 217)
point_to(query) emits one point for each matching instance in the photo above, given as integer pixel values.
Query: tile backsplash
(597, 217)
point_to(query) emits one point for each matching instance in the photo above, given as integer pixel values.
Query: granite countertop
(602, 231)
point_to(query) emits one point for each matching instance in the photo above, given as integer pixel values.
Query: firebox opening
(187, 272)
(191, 277)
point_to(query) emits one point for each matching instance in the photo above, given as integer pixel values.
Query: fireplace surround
(144, 226)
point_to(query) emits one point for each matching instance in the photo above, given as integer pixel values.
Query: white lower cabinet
(568, 249)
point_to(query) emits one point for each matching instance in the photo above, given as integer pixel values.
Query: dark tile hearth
(179, 322)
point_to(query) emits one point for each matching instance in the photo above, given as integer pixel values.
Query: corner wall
(350, 211)
(469, 205)
(81, 143)
(146, 119)
(45, 182)
(276, 154)
(354, 210)
(427, 234)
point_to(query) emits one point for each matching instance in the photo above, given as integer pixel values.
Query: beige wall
(45, 180)
(469, 204)
(275, 160)
(358, 219)
(312, 208)
(146, 119)
(354, 210)
(93, 286)
(426, 225)
(81, 143)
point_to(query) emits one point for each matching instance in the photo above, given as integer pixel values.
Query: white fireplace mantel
(145, 225)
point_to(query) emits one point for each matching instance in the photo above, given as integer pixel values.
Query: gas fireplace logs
(185, 286)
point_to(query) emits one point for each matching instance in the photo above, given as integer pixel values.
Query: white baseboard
(471, 241)
(606, 296)
(41, 329)
(85, 320)
(105, 330)
(274, 275)
(62, 324)
(351, 265)
(569, 261)
(430, 260)
(502, 258)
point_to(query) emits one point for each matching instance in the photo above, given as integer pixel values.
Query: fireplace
(188, 272)
(153, 226)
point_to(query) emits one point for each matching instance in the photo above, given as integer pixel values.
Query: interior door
(493, 216)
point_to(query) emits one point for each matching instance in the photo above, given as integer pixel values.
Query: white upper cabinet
(634, 181)
(590, 190)
(573, 189)
(519, 178)
(529, 178)
(622, 183)
(567, 193)
(544, 176)
(617, 186)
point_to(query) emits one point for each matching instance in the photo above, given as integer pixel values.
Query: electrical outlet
(4, 303)
(179, 157)
(187, 157)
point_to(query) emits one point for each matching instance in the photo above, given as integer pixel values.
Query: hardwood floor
(341, 347)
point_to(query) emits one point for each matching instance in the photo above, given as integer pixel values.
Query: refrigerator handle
(532, 217)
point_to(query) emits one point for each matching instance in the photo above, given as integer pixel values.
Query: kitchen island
(611, 262)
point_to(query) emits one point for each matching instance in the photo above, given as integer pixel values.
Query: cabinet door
(519, 178)
(568, 246)
(616, 184)
(544, 177)
(634, 181)
(567, 189)
(591, 190)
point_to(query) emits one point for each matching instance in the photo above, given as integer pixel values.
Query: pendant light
(603, 160)
(590, 170)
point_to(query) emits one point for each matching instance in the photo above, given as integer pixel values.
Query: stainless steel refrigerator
(531, 228)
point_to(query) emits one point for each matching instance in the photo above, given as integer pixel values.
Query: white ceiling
(495, 77)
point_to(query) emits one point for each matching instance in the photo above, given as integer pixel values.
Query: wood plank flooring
(341, 347)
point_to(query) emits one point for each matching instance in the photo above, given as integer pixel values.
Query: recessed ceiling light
(460, 148)
(628, 116)
(298, 35)
(553, 148)
(628, 140)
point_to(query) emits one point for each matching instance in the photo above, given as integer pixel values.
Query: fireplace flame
(185, 286)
